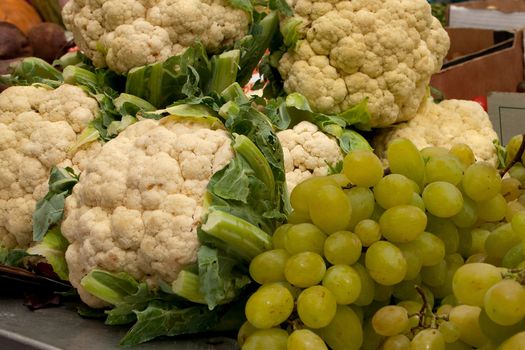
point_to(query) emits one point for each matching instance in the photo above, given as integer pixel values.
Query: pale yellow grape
(479, 236)
(368, 232)
(436, 275)
(345, 332)
(304, 339)
(498, 333)
(402, 223)
(430, 152)
(342, 247)
(504, 302)
(513, 208)
(445, 230)
(265, 339)
(397, 342)
(500, 240)
(464, 154)
(296, 217)
(405, 159)
(512, 148)
(367, 286)
(518, 172)
(316, 306)
(392, 190)
(412, 307)
(417, 201)
(385, 263)
(468, 215)
(363, 168)
(245, 331)
(269, 306)
(363, 203)
(340, 179)
(413, 264)
(444, 168)
(268, 266)
(279, 236)
(344, 283)
(304, 238)
(428, 247)
(449, 331)
(382, 292)
(518, 224)
(511, 188)
(492, 210)
(390, 320)
(304, 269)
(465, 318)
(481, 181)
(300, 196)
(516, 342)
(428, 339)
(330, 209)
(471, 282)
(442, 199)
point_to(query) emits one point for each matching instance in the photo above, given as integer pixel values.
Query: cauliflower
(383, 50)
(443, 125)
(307, 152)
(139, 202)
(37, 128)
(123, 34)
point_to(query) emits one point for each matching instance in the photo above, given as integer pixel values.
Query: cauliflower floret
(123, 34)
(383, 50)
(443, 125)
(139, 202)
(37, 128)
(307, 152)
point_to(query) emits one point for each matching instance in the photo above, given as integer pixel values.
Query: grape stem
(516, 158)
(515, 274)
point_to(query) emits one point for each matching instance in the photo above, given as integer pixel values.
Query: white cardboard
(461, 17)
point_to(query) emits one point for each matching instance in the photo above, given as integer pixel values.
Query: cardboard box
(488, 14)
(481, 61)
(507, 113)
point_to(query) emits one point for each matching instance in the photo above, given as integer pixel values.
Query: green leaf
(164, 319)
(220, 283)
(501, 153)
(12, 257)
(245, 5)
(233, 182)
(53, 249)
(281, 6)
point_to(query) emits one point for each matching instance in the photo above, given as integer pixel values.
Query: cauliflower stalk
(123, 34)
(382, 50)
(442, 125)
(38, 127)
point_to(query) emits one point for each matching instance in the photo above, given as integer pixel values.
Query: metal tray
(62, 328)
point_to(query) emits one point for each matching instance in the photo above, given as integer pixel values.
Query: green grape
(518, 224)
(513, 208)
(304, 339)
(504, 302)
(518, 172)
(468, 215)
(344, 332)
(392, 190)
(479, 236)
(444, 168)
(497, 332)
(385, 263)
(465, 318)
(383, 293)
(514, 256)
(269, 306)
(301, 194)
(296, 217)
(363, 168)
(465, 242)
(511, 189)
(428, 339)
(499, 242)
(444, 310)
(457, 345)
(330, 209)
(363, 202)
(340, 179)
(367, 286)
(454, 262)
(417, 201)
(344, 283)
(397, 342)
(464, 154)
(449, 331)
(245, 331)
(316, 306)
(492, 210)
(268, 267)
(402, 223)
(305, 269)
(304, 238)
(405, 159)
(390, 320)
(279, 236)
(516, 342)
(416, 187)
(378, 211)
(428, 247)
(512, 148)
(264, 339)
(481, 181)
(342, 247)
(411, 306)
(368, 232)
(358, 311)
(445, 230)
(471, 282)
(413, 264)
(295, 291)
(450, 300)
(435, 275)
(431, 152)
(442, 199)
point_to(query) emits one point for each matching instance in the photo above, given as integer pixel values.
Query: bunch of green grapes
(426, 254)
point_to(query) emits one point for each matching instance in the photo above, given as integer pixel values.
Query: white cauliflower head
(123, 34)
(307, 152)
(138, 204)
(38, 126)
(444, 125)
(383, 50)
